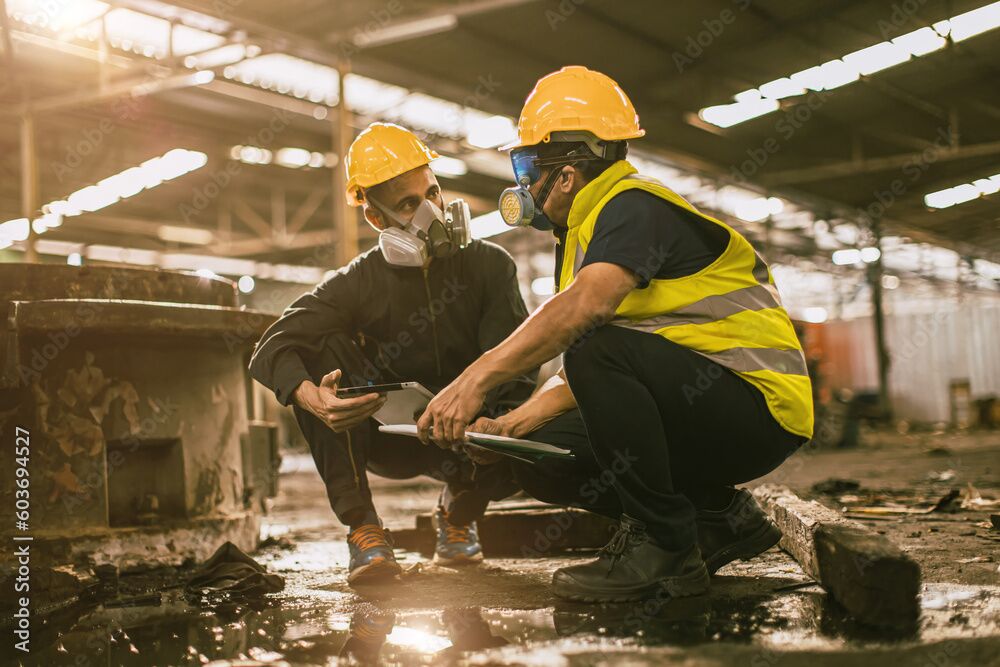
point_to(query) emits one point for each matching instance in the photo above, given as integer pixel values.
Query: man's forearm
(552, 399)
(547, 333)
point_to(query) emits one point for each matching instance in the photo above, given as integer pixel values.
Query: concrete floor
(503, 613)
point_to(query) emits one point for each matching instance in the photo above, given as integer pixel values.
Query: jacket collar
(592, 193)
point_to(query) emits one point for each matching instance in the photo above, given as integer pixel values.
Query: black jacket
(390, 324)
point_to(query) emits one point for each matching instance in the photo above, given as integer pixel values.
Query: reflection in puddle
(314, 623)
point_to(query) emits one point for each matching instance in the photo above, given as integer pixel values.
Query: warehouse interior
(172, 177)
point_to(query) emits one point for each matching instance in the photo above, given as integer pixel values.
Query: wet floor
(502, 613)
(759, 614)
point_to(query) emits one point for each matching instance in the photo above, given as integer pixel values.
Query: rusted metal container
(133, 387)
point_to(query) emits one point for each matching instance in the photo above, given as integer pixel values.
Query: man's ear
(568, 179)
(374, 218)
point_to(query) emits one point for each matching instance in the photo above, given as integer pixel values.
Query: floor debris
(231, 570)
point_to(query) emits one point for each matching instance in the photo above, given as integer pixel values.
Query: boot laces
(626, 538)
(368, 537)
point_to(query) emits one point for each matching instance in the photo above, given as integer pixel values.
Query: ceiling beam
(872, 165)
(458, 10)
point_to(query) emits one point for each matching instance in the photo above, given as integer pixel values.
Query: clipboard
(530, 451)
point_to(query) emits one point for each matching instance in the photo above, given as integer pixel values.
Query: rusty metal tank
(132, 387)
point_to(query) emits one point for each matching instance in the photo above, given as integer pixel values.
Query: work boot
(741, 531)
(371, 555)
(632, 567)
(457, 544)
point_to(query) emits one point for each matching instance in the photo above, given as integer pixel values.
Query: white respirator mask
(431, 232)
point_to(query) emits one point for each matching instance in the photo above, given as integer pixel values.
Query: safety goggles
(528, 166)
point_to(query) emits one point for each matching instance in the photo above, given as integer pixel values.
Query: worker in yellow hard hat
(678, 356)
(419, 307)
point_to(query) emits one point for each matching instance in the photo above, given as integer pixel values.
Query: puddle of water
(317, 621)
(306, 633)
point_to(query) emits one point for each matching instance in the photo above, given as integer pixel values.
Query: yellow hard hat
(576, 99)
(381, 152)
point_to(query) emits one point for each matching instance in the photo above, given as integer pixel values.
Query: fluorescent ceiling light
(190, 235)
(876, 58)
(921, 42)
(489, 224)
(781, 88)
(491, 131)
(814, 314)
(149, 174)
(890, 281)
(405, 30)
(288, 75)
(292, 157)
(852, 66)
(758, 209)
(871, 254)
(449, 166)
(225, 55)
(959, 194)
(251, 154)
(289, 156)
(974, 22)
(545, 286)
(14, 230)
(844, 257)
(55, 16)
(727, 115)
(431, 114)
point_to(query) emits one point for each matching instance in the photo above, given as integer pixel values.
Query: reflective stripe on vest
(729, 312)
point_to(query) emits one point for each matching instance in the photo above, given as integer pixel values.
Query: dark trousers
(344, 459)
(660, 431)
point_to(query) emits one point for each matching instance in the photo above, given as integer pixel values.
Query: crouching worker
(684, 365)
(420, 307)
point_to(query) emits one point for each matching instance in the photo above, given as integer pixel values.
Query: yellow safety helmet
(576, 99)
(381, 152)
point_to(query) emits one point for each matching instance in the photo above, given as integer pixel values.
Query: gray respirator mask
(518, 207)
(431, 232)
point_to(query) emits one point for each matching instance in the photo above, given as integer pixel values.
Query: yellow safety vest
(729, 311)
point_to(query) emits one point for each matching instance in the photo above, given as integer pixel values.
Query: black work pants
(660, 431)
(343, 459)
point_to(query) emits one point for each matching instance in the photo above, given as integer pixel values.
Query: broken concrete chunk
(863, 571)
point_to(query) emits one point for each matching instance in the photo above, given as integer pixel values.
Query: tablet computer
(404, 400)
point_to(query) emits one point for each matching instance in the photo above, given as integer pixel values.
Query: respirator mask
(431, 232)
(517, 207)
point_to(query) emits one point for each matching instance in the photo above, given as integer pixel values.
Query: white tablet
(404, 400)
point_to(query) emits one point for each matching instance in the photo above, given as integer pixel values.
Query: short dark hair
(590, 168)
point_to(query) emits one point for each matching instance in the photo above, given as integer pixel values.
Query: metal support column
(344, 216)
(29, 183)
(881, 350)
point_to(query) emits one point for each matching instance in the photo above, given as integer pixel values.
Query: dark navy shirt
(651, 237)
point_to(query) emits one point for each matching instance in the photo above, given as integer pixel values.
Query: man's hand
(490, 427)
(447, 415)
(339, 414)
